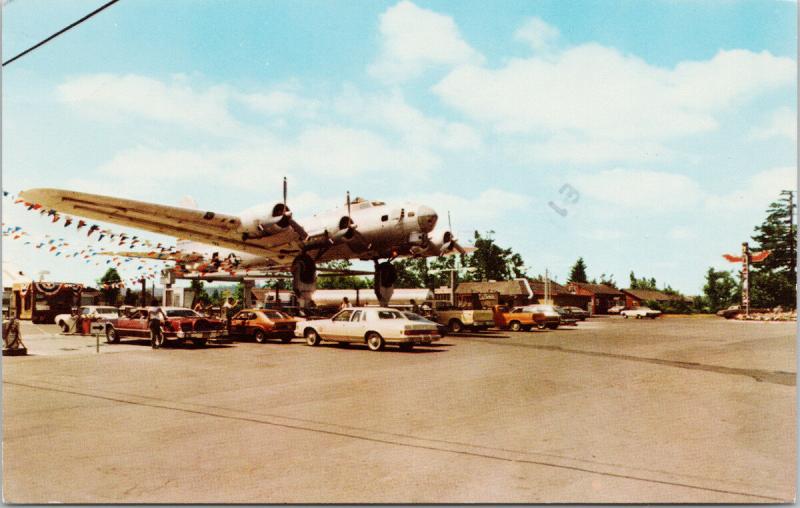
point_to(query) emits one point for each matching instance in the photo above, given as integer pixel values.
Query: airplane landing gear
(385, 277)
(304, 278)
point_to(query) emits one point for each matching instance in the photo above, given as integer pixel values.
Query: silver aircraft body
(268, 238)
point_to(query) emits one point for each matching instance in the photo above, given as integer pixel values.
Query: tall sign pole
(746, 278)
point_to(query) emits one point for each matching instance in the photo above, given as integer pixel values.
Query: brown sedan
(263, 324)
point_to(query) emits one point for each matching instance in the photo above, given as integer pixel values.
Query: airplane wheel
(312, 337)
(375, 342)
(387, 273)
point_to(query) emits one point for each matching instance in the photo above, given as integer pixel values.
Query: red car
(180, 324)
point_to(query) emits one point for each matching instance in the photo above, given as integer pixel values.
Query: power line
(68, 27)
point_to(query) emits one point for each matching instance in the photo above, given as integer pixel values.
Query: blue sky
(675, 122)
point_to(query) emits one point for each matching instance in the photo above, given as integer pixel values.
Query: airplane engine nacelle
(437, 245)
(264, 221)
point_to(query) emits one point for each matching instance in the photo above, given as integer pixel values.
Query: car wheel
(456, 326)
(112, 336)
(64, 327)
(156, 339)
(625, 316)
(541, 326)
(375, 342)
(408, 346)
(260, 336)
(515, 326)
(638, 316)
(312, 337)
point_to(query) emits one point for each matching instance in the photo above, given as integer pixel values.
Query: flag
(758, 257)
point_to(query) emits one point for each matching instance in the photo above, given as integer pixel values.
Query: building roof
(598, 289)
(649, 294)
(516, 287)
(537, 286)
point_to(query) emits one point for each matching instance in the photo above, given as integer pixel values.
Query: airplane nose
(427, 218)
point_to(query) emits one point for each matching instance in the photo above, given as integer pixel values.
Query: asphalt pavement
(613, 410)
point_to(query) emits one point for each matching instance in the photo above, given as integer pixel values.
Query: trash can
(86, 326)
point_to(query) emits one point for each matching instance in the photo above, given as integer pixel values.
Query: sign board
(97, 328)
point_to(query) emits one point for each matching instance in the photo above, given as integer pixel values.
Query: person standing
(155, 321)
(414, 307)
(345, 303)
(227, 311)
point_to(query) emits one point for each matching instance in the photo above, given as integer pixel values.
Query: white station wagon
(375, 326)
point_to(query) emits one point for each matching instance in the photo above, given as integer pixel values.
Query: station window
(411, 214)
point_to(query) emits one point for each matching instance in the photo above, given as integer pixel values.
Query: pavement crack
(777, 377)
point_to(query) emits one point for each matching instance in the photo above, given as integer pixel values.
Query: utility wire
(45, 41)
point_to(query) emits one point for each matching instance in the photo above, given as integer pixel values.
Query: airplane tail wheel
(388, 274)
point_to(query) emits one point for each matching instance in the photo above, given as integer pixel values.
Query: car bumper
(414, 339)
(209, 334)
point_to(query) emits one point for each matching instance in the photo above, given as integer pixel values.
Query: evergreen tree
(492, 262)
(772, 281)
(578, 272)
(720, 291)
(643, 283)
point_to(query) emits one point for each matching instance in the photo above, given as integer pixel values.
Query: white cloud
(391, 111)
(414, 39)
(781, 124)
(604, 94)
(281, 103)
(478, 211)
(538, 34)
(759, 191)
(118, 96)
(583, 150)
(645, 190)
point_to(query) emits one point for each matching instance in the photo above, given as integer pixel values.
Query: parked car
(458, 320)
(94, 312)
(180, 324)
(442, 329)
(640, 312)
(566, 316)
(263, 324)
(551, 315)
(375, 326)
(576, 313)
(517, 318)
(616, 309)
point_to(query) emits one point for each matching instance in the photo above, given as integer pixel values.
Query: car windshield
(106, 310)
(181, 313)
(413, 316)
(273, 314)
(389, 314)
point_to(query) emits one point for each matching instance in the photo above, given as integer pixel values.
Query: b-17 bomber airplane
(268, 238)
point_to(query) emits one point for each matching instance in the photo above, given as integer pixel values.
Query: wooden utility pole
(746, 278)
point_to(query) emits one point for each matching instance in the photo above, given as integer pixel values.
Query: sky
(645, 136)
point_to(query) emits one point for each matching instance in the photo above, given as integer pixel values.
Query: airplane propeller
(348, 230)
(286, 214)
(450, 240)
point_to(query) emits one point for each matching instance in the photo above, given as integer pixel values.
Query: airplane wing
(202, 226)
(181, 257)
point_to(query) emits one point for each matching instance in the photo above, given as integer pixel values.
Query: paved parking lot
(671, 410)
